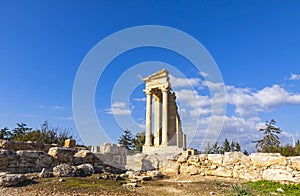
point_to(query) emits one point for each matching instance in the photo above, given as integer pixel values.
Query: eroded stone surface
(277, 175)
(62, 154)
(267, 159)
(11, 179)
(295, 162)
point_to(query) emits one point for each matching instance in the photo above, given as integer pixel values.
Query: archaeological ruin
(168, 135)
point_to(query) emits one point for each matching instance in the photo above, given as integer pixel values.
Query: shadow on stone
(27, 182)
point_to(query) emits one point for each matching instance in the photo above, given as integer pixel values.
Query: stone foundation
(162, 150)
(257, 166)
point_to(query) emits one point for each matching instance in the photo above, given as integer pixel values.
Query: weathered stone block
(215, 159)
(181, 159)
(277, 175)
(230, 158)
(14, 146)
(84, 156)
(250, 173)
(154, 174)
(61, 154)
(267, 159)
(70, 143)
(110, 148)
(295, 162)
(189, 169)
(220, 171)
(84, 170)
(6, 158)
(63, 170)
(171, 168)
(32, 161)
(11, 179)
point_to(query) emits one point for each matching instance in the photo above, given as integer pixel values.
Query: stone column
(177, 132)
(157, 119)
(184, 141)
(148, 141)
(165, 100)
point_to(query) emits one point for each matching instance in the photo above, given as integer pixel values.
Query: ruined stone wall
(13, 145)
(112, 154)
(257, 166)
(27, 161)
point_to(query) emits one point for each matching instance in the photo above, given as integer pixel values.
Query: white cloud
(294, 76)
(249, 102)
(242, 130)
(63, 118)
(191, 98)
(204, 74)
(243, 125)
(196, 112)
(118, 108)
(54, 107)
(143, 99)
(118, 104)
(185, 82)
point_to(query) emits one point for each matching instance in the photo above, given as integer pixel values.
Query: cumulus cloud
(143, 99)
(249, 102)
(118, 108)
(239, 129)
(185, 82)
(242, 125)
(192, 98)
(294, 76)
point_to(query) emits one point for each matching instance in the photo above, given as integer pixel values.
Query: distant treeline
(45, 135)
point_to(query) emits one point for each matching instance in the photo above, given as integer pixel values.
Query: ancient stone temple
(164, 120)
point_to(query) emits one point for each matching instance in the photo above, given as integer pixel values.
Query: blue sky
(254, 43)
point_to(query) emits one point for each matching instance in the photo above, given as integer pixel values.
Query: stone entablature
(167, 123)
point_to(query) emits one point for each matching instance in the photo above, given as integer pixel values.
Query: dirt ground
(179, 185)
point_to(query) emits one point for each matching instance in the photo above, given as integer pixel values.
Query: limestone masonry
(64, 161)
(168, 135)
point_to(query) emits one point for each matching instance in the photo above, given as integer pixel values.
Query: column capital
(165, 89)
(148, 91)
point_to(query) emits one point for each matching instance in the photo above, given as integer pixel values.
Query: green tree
(270, 142)
(245, 152)
(5, 133)
(226, 146)
(208, 149)
(139, 141)
(45, 135)
(232, 146)
(297, 147)
(237, 147)
(20, 131)
(126, 140)
(215, 148)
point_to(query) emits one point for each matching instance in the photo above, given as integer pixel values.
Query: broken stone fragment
(11, 179)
